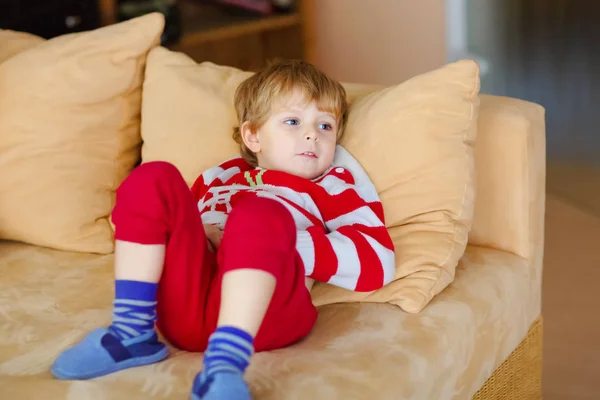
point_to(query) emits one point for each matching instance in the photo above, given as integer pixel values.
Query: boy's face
(297, 138)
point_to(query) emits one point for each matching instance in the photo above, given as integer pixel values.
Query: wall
(381, 41)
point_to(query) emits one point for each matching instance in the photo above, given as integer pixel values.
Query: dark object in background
(259, 6)
(265, 7)
(49, 19)
(127, 9)
(284, 6)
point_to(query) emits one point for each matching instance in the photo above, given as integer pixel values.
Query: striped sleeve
(216, 176)
(356, 252)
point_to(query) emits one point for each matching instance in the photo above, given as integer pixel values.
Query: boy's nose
(310, 135)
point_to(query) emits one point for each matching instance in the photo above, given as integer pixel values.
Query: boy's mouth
(309, 154)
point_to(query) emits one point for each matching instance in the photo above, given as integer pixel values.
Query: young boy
(227, 267)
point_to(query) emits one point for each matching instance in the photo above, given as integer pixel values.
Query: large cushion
(69, 132)
(415, 140)
(187, 112)
(49, 300)
(13, 43)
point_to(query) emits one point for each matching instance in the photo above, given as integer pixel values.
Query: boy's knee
(260, 234)
(263, 217)
(156, 170)
(150, 174)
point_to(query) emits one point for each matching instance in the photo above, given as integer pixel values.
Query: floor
(576, 183)
(571, 296)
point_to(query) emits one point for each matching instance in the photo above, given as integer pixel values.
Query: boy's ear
(250, 138)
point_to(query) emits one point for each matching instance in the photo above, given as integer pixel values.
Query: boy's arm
(357, 253)
(216, 176)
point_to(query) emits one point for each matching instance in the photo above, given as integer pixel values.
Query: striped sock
(229, 350)
(134, 310)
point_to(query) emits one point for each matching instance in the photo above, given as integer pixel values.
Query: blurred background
(539, 50)
(545, 51)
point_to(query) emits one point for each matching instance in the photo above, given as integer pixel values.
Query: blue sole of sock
(130, 363)
(194, 396)
(224, 385)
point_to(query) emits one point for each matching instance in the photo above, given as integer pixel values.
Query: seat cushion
(50, 300)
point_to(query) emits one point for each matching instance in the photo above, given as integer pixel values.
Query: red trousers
(155, 206)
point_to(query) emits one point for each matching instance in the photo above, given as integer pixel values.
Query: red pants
(155, 206)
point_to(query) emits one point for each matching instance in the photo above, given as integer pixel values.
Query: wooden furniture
(243, 41)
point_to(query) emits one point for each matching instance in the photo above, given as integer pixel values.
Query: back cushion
(70, 133)
(13, 43)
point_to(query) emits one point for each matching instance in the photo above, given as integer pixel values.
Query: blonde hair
(254, 98)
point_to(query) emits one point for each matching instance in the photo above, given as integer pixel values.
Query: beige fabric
(12, 43)
(187, 112)
(50, 299)
(69, 133)
(415, 140)
(511, 172)
(358, 91)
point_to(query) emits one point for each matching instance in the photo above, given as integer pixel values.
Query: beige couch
(480, 337)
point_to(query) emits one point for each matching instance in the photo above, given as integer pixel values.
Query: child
(227, 267)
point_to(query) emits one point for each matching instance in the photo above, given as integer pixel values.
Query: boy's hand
(214, 236)
(309, 283)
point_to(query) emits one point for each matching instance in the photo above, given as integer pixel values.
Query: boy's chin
(310, 175)
(302, 173)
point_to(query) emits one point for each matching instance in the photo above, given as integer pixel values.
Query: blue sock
(129, 342)
(225, 361)
(134, 310)
(229, 350)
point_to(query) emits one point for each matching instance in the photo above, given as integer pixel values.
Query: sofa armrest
(510, 162)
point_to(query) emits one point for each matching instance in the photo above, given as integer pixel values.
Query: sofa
(474, 332)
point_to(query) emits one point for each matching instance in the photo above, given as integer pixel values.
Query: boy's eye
(326, 127)
(292, 121)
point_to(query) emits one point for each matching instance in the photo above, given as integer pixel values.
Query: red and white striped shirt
(341, 234)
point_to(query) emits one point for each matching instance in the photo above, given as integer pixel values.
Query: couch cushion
(13, 43)
(415, 140)
(69, 133)
(50, 299)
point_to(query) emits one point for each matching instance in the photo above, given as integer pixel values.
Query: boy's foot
(101, 353)
(225, 360)
(220, 386)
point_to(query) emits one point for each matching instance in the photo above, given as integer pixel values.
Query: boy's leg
(157, 224)
(260, 296)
